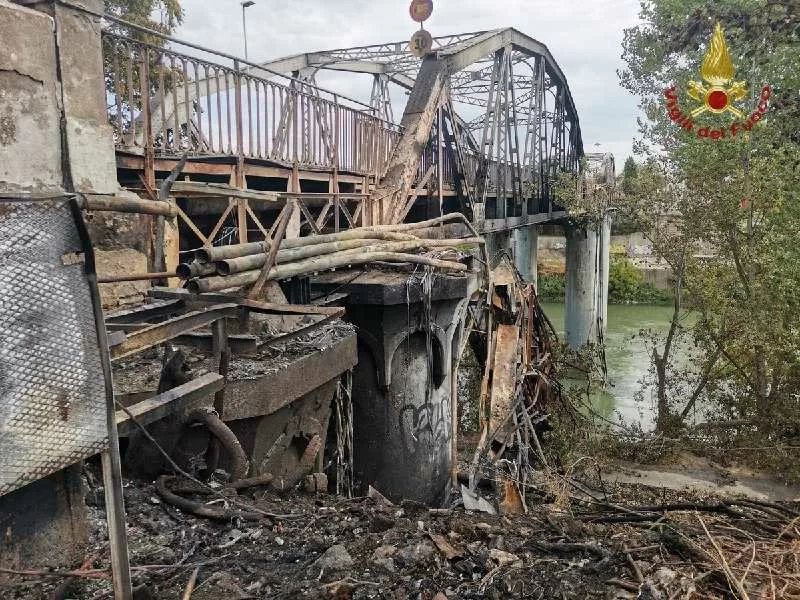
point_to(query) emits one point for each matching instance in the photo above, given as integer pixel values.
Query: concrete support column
(526, 242)
(498, 241)
(587, 261)
(403, 382)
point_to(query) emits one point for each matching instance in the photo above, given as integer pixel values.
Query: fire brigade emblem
(717, 71)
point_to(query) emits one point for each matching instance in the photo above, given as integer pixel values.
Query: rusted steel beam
(174, 400)
(125, 205)
(267, 308)
(145, 312)
(194, 189)
(162, 332)
(280, 232)
(282, 339)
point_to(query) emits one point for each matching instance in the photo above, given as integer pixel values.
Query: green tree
(629, 173)
(724, 214)
(141, 12)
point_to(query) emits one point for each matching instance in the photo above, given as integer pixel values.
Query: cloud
(584, 36)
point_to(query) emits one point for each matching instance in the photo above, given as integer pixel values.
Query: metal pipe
(216, 253)
(126, 205)
(135, 277)
(245, 5)
(221, 253)
(195, 269)
(339, 259)
(247, 263)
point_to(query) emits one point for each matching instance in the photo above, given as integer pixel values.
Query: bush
(625, 285)
(552, 287)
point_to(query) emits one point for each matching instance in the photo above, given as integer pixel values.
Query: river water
(627, 359)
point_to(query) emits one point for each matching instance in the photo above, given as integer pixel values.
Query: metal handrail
(232, 57)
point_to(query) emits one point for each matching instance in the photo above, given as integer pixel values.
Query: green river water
(627, 359)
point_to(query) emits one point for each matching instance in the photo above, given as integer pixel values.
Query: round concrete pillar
(580, 313)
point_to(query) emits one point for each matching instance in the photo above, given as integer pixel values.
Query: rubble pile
(322, 546)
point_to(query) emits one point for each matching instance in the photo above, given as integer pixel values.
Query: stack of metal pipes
(226, 267)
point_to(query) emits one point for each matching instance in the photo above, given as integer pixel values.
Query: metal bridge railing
(162, 102)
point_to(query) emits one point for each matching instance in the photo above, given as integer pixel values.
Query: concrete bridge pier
(526, 245)
(405, 382)
(587, 264)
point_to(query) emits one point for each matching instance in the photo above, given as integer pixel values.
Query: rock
(340, 590)
(387, 564)
(378, 497)
(504, 558)
(380, 523)
(420, 553)
(335, 558)
(316, 483)
(384, 552)
(484, 528)
(467, 566)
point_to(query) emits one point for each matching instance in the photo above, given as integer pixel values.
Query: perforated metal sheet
(52, 391)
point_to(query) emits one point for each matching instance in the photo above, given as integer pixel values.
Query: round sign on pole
(421, 43)
(421, 10)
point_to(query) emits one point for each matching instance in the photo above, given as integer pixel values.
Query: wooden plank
(239, 343)
(268, 308)
(504, 376)
(172, 401)
(145, 312)
(221, 190)
(165, 164)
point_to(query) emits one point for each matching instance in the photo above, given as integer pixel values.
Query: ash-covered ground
(635, 542)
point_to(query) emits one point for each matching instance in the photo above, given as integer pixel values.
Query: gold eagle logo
(718, 72)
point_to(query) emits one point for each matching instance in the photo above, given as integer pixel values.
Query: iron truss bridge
(488, 126)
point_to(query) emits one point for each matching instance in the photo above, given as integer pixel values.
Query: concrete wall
(44, 524)
(92, 162)
(30, 129)
(54, 137)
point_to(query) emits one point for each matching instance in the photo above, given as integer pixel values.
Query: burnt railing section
(163, 102)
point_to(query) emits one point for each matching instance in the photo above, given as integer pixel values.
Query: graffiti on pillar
(425, 425)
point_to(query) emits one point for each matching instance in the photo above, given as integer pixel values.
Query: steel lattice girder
(470, 63)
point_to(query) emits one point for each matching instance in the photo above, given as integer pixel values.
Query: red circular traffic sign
(421, 10)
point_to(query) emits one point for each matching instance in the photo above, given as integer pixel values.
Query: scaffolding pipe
(339, 259)
(248, 263)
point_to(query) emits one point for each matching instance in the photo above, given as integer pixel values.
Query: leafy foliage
(626, 285)
(140, 12)
(551, 286)
(724, 215)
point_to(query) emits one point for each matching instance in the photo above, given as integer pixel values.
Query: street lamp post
(246, 4)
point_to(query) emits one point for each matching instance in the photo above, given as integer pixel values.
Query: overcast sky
(584, 36)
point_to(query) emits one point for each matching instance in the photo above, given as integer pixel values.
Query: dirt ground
(629, 543)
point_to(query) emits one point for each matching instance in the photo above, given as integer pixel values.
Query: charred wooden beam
(155, 335)
(146, 312)
(155, 408)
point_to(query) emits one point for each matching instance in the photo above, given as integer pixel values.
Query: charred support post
(409, 330)
(587, 282)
